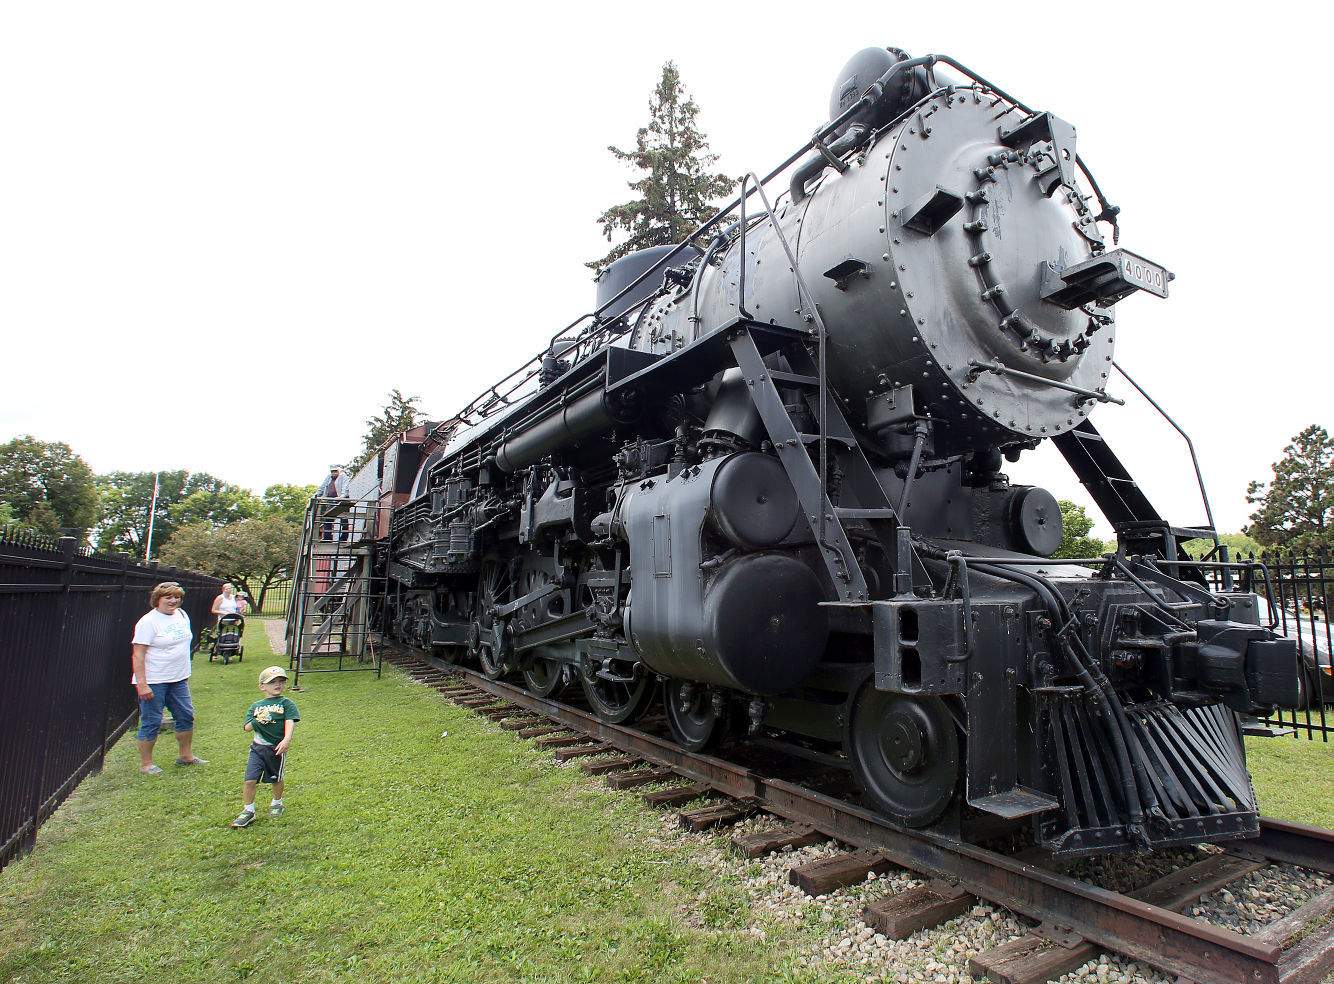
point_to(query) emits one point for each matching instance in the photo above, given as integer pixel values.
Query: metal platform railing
(334, 589)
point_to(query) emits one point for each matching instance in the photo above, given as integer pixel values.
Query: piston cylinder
(752, 624)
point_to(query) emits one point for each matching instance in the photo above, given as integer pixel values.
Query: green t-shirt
(267, 716)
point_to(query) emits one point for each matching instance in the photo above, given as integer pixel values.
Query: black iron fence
(275, 600)
(66, 619)
(1296, 594)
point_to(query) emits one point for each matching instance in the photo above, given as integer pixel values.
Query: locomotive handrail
(808, 298)
(1102, 396)
(1199, 478)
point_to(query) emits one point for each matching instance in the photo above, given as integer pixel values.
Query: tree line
(200, 521)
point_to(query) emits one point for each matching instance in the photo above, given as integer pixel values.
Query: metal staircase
(329, 612)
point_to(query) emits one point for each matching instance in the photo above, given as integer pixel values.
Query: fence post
(68, 551)
(111, 676)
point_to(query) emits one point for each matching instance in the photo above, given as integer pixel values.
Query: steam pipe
(816, 162)
(586, 417)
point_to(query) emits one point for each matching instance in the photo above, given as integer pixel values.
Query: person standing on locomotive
(334, 487)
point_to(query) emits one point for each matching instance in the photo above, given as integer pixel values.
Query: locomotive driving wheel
(697, 721)
(905, 753)
(543, 676)
(616, 701)
(489, 637)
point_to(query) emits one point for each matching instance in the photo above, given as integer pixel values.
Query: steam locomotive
(760, 488)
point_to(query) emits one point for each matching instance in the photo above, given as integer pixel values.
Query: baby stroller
(227, 643)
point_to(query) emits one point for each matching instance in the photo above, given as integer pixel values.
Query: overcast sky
(228, 230)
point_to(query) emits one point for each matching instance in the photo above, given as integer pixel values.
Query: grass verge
(421, 843)
(1294, 778)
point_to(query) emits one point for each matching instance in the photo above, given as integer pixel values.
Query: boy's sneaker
(245, 819)
(276, 810)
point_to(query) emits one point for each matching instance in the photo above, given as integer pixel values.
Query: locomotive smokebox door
(919, 647)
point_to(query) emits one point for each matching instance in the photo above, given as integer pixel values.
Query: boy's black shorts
(264, 764)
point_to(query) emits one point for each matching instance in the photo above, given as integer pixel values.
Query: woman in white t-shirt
(160, 655)
(226, 603)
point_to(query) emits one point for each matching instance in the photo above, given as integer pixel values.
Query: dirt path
(275, 628)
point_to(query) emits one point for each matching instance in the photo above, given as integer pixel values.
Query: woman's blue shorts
(175, 696)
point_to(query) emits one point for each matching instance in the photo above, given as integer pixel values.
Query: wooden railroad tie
(515, 722)
(794, 836)
(608, 765)
(677, 795)
(500, 713)
(638, 777)
(561, 741)
(542, 729)
(822, 877)
(1307, 936)
(899, 916)
(1049, 952)
(476, 697)
(579, 751)
(718, 815)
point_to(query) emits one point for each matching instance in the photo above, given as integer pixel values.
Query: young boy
(272, 721)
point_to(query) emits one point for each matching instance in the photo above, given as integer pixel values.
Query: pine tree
(1297, 509)
(399, 414)
(676, 195)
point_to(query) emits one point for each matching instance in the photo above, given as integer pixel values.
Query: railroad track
(1075, 918)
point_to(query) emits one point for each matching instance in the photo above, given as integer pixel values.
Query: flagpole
(152, 514)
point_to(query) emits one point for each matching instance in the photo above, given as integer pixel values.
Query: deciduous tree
(47, 485)
(1296, 509)
(217, 503)
(675, 196)
(288, 501)
(127, 499)
(251, 553)
(1075, 528)
(1238, 544)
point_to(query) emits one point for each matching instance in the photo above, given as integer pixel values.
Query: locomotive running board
(698, 362)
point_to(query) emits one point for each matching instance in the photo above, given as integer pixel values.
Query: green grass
(1294, 778)
(404, 855)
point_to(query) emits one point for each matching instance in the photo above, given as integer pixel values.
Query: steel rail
(1165, 939)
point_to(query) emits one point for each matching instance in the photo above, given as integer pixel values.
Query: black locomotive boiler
(762, 485)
